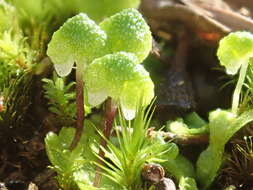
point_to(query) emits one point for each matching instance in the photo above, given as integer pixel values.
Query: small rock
(152, 173)
(165, 184)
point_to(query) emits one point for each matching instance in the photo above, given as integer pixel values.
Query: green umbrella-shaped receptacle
(78, 41)
(235, 52)
(119, 77)
(127, 31)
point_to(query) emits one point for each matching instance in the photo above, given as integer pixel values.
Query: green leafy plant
(80, 41)
(16, 58)
(123, 160)
(235, 53)
(223, 125)
(73, 167)
(105, 54)
(192, 124)
(127, 31)
(123, 163)
(61, 98)
(247, 92)
(180, 167)
(129, 37)
(15, 54)
(108, 55)
(39, 19)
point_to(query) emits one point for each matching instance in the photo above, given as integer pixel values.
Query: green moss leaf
(127, 31)
(79, 40)
(118, 76)
(234, 50)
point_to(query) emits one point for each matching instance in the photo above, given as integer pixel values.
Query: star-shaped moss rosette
(119, 77)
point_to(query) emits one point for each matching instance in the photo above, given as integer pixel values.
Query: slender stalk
(79, 105)
(110, 113)
(236, 95)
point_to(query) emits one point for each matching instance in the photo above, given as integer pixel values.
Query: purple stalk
(79, 106)
(110, 113)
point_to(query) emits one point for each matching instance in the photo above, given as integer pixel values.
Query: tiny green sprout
(235, 52)
(119, 77)
(127, 31)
